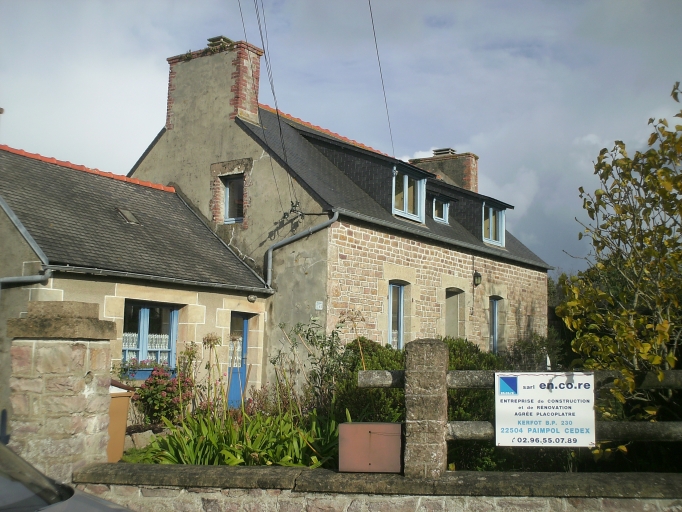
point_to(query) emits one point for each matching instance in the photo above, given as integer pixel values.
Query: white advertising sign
(544, 409)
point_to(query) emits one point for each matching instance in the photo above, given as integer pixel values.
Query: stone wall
(363, 259)
(219, 488)
(59, 386)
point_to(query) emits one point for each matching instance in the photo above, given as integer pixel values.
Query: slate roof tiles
(303, 154)
(72, 213)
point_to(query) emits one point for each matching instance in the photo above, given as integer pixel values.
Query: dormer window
(408, 195)
(440, 210)
(234, 198)
(493, 225)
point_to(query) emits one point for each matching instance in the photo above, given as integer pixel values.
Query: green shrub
(472, 405)
(531, 353)
(369, 404)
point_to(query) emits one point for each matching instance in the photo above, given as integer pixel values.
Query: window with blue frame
(149, 332)
(493, 225)
(409, 195)
(396, 314)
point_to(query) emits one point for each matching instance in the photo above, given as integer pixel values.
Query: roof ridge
(69, 165)
(323, 130)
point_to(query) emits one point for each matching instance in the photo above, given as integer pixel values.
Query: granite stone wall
(219, 488)
(363, 260)
(160, 499)
(61, 359)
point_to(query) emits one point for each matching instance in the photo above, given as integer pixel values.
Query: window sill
(408, 216)
(238, 220)
(492, 243)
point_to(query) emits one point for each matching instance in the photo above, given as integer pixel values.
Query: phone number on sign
(544, 440)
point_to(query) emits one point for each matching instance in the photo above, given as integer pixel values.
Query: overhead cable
(260, 122)
(382, 77)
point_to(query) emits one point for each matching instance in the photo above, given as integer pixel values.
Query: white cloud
(533, 88)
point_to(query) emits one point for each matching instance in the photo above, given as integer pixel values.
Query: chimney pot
(443, 151)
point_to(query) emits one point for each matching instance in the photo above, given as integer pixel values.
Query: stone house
(338, 229)
(132, 249)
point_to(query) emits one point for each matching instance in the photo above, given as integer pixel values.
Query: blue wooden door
(239, 333)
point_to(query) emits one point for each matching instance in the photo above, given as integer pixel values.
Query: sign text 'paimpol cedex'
(544, 409)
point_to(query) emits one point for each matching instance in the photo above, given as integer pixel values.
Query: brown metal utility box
(118, 419)
(370, 447)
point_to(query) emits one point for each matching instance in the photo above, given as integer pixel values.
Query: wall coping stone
(62, 320)
(451, 483)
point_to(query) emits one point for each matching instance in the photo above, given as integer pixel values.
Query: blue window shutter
(143, 332)
(173, 336)
(245, 345)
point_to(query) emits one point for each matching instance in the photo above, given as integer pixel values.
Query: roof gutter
(160, 279)
(293, 238)
(450, 241)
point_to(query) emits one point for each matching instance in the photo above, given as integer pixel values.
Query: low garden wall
(222, 488)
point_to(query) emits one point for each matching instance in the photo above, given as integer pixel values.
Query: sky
(534, 88)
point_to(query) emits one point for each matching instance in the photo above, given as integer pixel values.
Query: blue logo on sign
(509, 386)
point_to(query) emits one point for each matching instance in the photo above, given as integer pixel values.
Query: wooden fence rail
(485, 379)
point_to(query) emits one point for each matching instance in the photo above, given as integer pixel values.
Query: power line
(263, 28)
(382, 76)
(260, 122)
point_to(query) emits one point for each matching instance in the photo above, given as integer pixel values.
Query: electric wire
(260, 122)
(263, 29)
(382, 77)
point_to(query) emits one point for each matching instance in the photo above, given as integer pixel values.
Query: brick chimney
(460, 169)
(224, 65)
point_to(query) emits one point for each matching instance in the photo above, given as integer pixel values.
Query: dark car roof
(335, 190)
(73, 214)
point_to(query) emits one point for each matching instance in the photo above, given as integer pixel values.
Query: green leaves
(625, 308)
(256, 440)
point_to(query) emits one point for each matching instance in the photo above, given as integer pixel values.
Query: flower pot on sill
(144, 374)
(370, 447)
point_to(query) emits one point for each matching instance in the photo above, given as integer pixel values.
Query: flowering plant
(163, 396)
(127, 370)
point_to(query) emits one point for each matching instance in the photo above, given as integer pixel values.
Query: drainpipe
(293, 238)
(41, 278)
(4, 436)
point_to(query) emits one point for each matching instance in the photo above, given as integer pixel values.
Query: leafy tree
(625, 308)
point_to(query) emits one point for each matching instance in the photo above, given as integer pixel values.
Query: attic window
(408, 195)
(128, 216)
(441, 208)
(493, 225)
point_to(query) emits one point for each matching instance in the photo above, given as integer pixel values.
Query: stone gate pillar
(59, 386)
(426, 408)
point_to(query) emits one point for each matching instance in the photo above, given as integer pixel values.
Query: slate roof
(71, 213)
(335, 190)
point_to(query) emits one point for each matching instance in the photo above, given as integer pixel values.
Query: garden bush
(162, 396)
(369, 404)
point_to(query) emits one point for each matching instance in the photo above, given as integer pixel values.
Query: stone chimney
(224, 71)
(459, 169)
